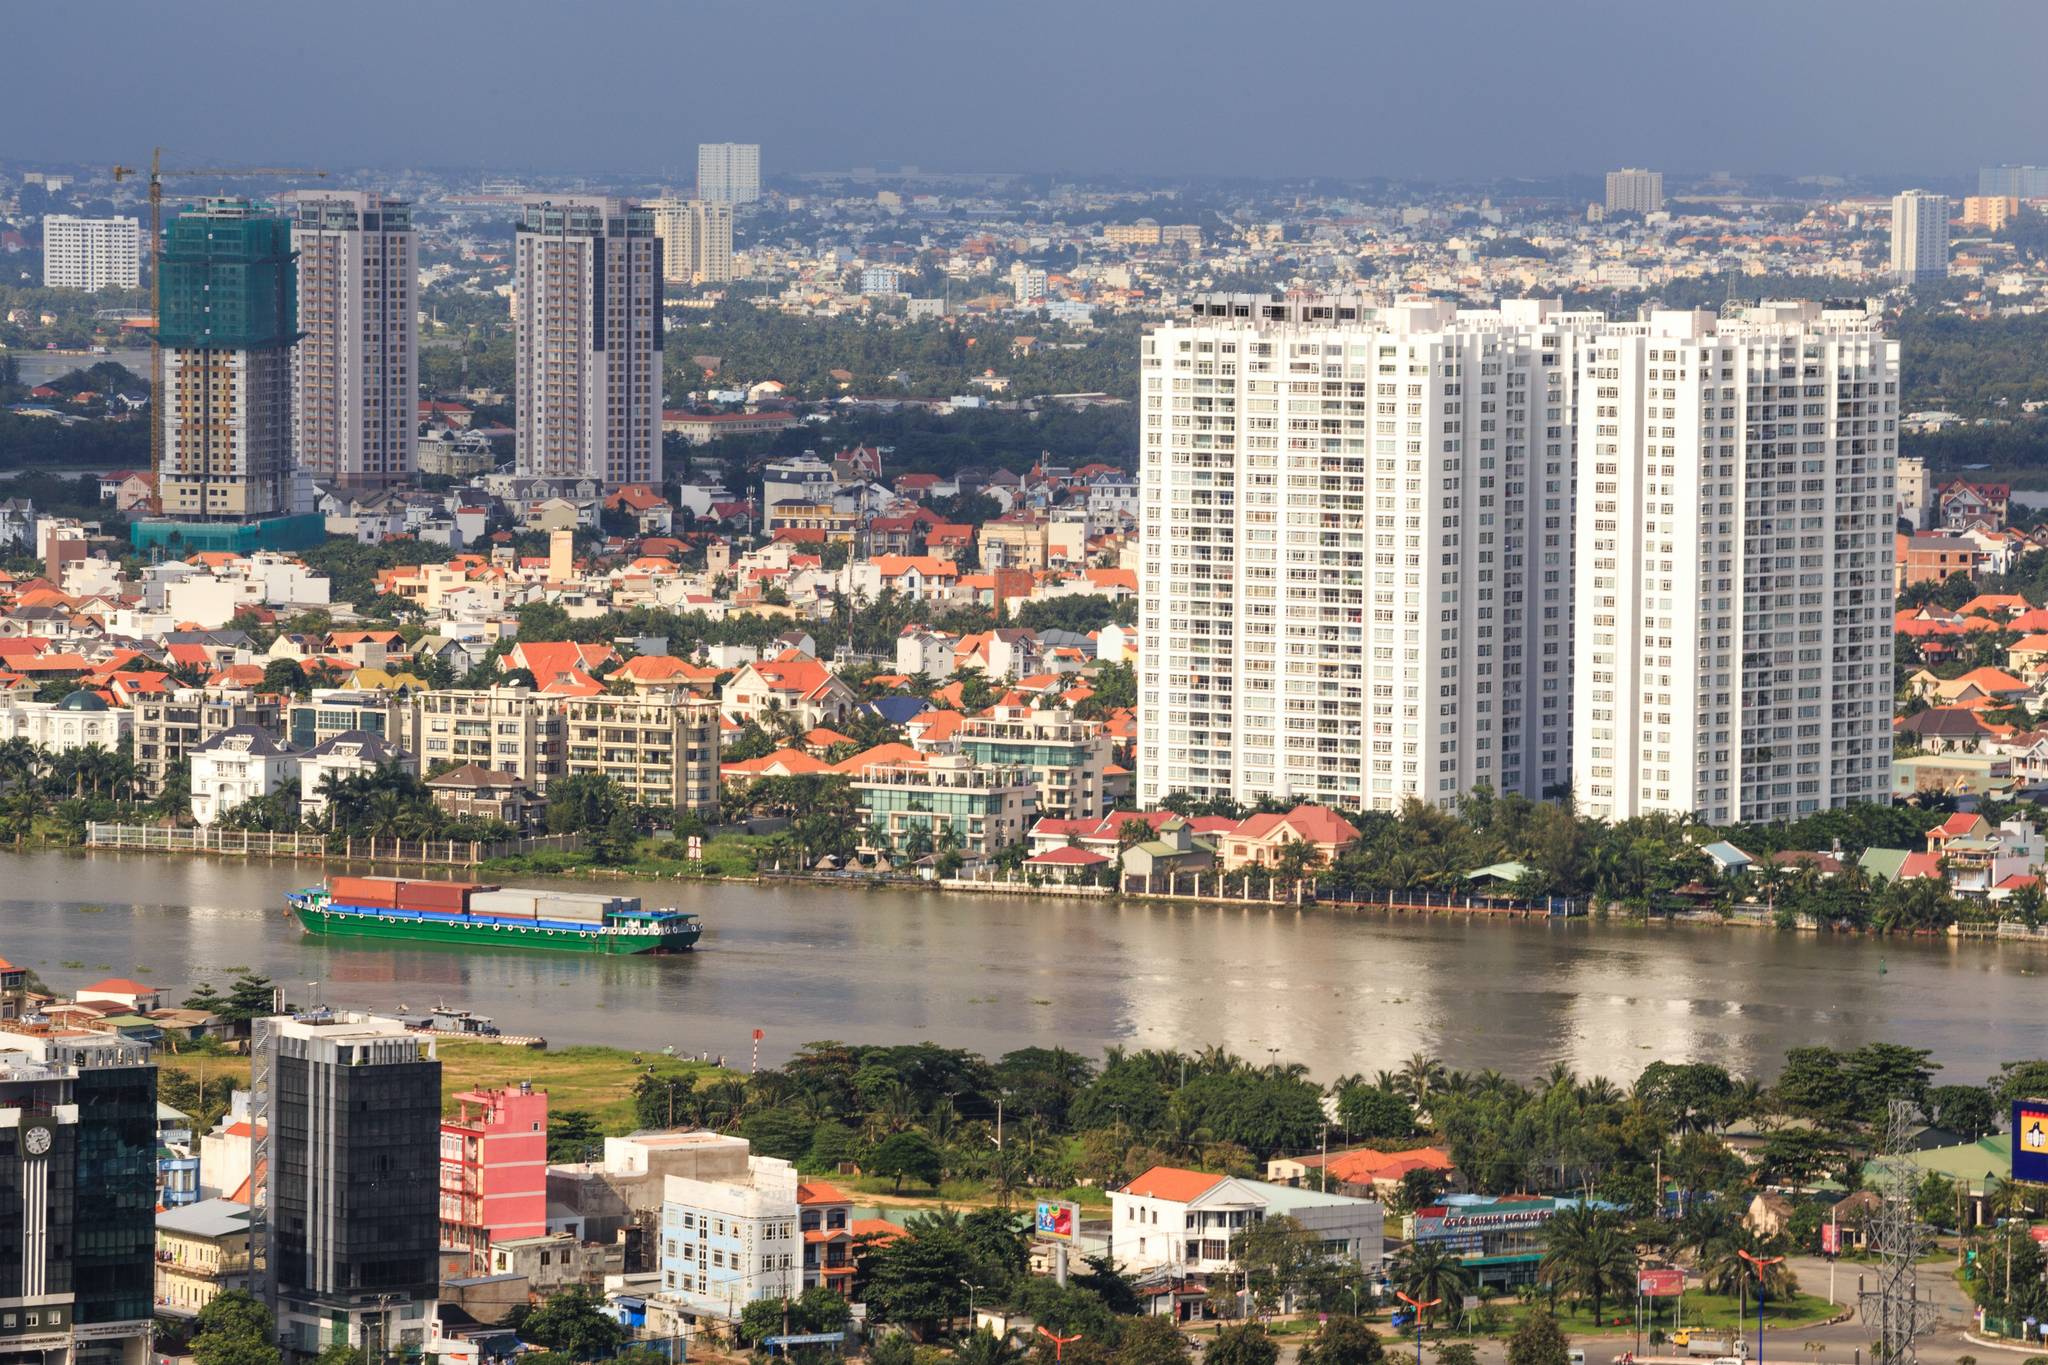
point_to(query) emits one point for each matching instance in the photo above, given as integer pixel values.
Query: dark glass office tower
(353, 1104)
(77, 1200)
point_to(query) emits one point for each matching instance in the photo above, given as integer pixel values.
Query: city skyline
(1135, 120)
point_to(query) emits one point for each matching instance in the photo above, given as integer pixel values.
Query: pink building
(494, 1170)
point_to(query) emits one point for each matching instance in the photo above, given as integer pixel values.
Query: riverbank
(733, 857)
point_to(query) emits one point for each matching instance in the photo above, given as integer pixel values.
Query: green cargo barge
(487, 916)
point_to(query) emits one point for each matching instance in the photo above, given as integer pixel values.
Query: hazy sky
(1437, 88)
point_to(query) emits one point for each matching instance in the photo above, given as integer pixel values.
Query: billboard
(1660, 1284)
(2030, 1140)
(1058, 1222)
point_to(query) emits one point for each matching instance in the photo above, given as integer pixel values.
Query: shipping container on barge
(490, 916)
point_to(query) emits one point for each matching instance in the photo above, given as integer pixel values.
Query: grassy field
(728, 855)
(1715, 1313)
(597, 1080)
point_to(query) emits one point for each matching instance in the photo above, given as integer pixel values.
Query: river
(1336, 991)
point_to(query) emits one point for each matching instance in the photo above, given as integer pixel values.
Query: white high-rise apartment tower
(91, 253)
(696, 240)
(1919, 237)
(729, 172)
(1635, 191)
(356, 367)
(587, 311)
(1357, 550)
(1734, 581)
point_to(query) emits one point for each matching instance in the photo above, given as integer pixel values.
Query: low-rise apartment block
(169, 726)
(663, 751)
(913, 808)
(512, 730)
(728, 1241)
(1067, 759)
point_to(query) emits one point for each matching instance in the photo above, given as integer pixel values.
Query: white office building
(1919, 237)
(1631, 190)
(91, 253)
(587, 315)
(696, 240)
(1734, 580)
(355, 371)
(729, 172)
(1357, 550)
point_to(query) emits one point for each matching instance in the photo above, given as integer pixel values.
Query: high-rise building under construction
(228, 318)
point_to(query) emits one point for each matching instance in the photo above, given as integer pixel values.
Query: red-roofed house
(781, 763)
(1258, 839)
(562, 667)
(1363, 1172)
(791, 685)
(1187, 1220)
(648, 672)
(132, 996)
(824, 1215)
(1067, 859)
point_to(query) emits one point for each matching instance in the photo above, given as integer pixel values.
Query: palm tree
(1565, 1238)
(1420, 1075)
(18, 811)
(1724, 1269)
(1607, 1266)
(1426, 1271)
(2005, 1199)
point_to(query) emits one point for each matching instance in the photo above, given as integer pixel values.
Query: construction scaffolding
(1894, 1307)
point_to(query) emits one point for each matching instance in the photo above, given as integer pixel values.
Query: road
(1842, 1343)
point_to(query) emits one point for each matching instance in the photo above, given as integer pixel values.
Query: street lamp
(1418, 1305)
(971, 1288)
(1059, 1343)
(1759, 1264)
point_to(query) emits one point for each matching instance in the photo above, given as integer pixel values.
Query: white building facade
(237, 765)
(728, 1242)
(1190, 1220)
(1357, 550)
(1733, 593)
(729, 172)
(356, 367)
(696, 240)
(91, 253)
(587, 313)
(1633, 190)
(1919, 237)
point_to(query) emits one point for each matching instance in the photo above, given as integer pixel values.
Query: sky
(1456, 89)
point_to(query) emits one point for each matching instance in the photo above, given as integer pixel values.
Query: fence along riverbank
(255, 844)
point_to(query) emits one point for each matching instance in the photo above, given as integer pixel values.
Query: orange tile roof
(820, 1192)
(1364, 1165)
(1173, 1183)
(794, 762)
(878, 756)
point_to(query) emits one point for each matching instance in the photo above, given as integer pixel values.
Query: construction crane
(157, 174)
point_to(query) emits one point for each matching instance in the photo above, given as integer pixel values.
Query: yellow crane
(157, 175)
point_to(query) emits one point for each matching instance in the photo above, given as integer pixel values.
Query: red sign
(1660, 1284)
(2038, 1234)
(1830, 1239)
